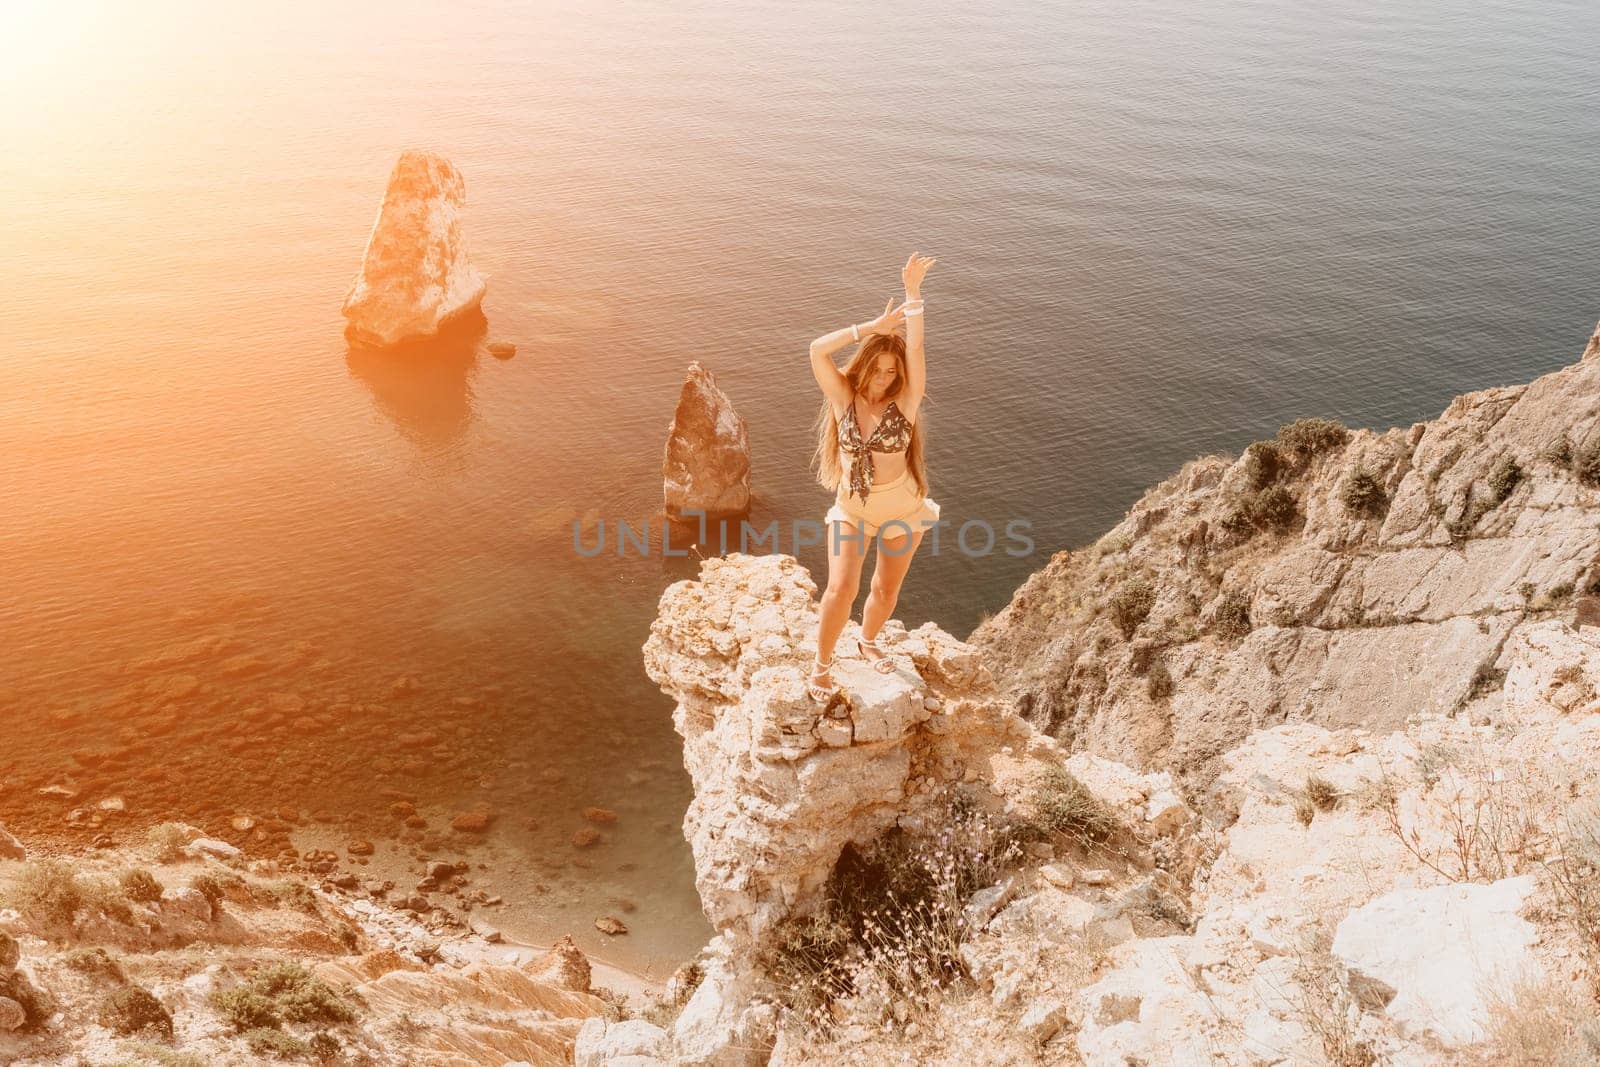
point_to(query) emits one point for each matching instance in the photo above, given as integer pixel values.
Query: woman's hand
(891, 320)
(913, 272)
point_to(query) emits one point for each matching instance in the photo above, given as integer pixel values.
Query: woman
(870, 412)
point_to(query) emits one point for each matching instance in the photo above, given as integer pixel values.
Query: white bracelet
(855, 335)
(914, 311)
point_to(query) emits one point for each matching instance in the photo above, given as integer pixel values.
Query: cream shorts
(895, 499)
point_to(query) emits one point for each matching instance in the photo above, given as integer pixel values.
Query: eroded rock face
(1337, 578)
(1424, 932)
(707, 465)
(783, 783)
(416, 277)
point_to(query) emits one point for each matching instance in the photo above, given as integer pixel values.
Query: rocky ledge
(784, 784)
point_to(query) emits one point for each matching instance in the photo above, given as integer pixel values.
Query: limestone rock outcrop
(707, 464)
(1377, 891)
(1329, 576)
(416, 277)
(782, 783)
(1371, 889)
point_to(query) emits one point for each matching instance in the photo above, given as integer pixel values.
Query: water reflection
(424, 387)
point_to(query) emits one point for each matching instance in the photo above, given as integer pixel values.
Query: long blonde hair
(829, 467)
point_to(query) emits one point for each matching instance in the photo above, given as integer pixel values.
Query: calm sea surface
(1163, 228)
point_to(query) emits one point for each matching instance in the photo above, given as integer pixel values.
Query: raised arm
(915, 270)
(835, 386)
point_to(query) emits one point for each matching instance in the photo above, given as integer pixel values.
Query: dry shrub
(1326, 1009)
(164, 842)
(1364, 495)
(1572, 877)
(883, 946)
(1131, 605)
(1066, 806)
(1307, 437)
(1484, 816)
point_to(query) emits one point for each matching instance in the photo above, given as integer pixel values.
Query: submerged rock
(415, 275)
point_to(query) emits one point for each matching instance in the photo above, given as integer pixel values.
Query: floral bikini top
(892, 434)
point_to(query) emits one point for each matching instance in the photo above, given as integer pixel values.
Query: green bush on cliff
(1503, 480)
(131, 1008)
(1264, 462)
(140, 886)
(48, 890)
(95, 962)
(1309, 437)
(1586, 464)
(1364, 495)
(1274, 508)
(1233, 615)
(1158, 682)
(1131, 604)
(277, 1044)
(279, 993)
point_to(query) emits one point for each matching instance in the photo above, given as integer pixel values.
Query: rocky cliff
(1295, 765)
(1329, 576)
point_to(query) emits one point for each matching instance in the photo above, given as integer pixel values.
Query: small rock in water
(586, 837)
(599, 815)
(608, 924)
(502, 349)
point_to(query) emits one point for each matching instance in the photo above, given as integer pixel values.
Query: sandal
(882, 663)
(817, 691)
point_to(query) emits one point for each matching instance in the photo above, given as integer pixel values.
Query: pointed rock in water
(415, 275)
(707, 466)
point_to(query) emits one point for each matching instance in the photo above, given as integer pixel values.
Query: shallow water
(1162, 229)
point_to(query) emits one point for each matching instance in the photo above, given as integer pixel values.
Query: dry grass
(54, 894)
(1066, 806)
(1537, 1023)
(1572, 880)
(883, 948)
(1326, 1009)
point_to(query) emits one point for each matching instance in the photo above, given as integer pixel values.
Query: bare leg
(894, 560)
(844, 582)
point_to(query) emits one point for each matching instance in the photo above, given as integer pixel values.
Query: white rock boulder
(1433, 959)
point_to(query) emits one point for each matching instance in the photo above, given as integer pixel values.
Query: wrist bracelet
(855, 335)
(914, 311)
